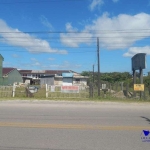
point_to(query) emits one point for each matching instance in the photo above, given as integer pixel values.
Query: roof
(57, 71)
(80, 77)
(6, 71)
(25, 71)
(48, 72)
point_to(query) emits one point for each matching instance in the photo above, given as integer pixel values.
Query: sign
(138, 87)
(103, 86)
(69, 75)
(70, 89)
(52, 88)
(145, 136)
(33, 89)
(139, 61)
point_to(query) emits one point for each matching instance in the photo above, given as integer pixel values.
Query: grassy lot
(83, 96)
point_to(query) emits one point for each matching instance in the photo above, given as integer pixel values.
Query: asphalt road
(73, 126)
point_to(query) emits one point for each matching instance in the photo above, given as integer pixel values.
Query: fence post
(46, 91)
(121, 86)
(109, 89)
(91, 91)
(14, 87)
(127, 90)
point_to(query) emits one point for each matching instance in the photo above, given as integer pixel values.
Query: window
(77, 80)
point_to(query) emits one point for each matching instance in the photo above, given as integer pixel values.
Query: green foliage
(85, 73)
(147, 81)
(112, 77)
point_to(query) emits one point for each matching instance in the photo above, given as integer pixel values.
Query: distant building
(8, 75)
(53, 77)
(11, 76)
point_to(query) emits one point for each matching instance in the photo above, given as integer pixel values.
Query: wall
(12, 77)
(82, 81)
(48, 80)
(67, 81)
(58, 81)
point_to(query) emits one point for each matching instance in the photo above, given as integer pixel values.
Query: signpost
(138, 63)
(104, 89)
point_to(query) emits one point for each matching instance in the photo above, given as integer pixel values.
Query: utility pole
(98, 60)
(93, 74)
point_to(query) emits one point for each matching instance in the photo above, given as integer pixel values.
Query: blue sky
(62, 34)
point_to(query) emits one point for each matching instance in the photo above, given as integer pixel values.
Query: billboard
(138, 87)
(139, 61)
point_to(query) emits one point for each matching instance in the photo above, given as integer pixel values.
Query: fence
(67, 91)
(116, 90)
(119, 90)
(7, 91)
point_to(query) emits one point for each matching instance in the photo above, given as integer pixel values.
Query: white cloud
(33, 59)
(118, 32)
(65, 65)
(51, 59)
(15, 56)
(74, 38)
(115, 1)
(32, 44)
(36, 64)
(96, 3)
(45, 22)
(134, 50)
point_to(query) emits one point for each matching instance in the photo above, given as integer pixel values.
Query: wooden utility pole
(98, 60)
(141, 81)
(134, 81)
(93, 74)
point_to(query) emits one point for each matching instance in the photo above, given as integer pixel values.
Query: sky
(63, 34)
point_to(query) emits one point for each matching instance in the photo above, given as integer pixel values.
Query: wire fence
(107, 90)
(119, 90)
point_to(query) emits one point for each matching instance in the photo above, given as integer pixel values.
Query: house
(11, 76)
(34, 76)
(53, 77)
(8, 75)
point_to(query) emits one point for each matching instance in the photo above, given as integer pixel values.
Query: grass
(20, 94)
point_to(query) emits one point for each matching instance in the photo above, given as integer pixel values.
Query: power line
(43, 1)
(48, 52)
(88, 31)
(53, 47)
(77, 38)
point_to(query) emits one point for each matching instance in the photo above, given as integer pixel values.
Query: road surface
(28, 125)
